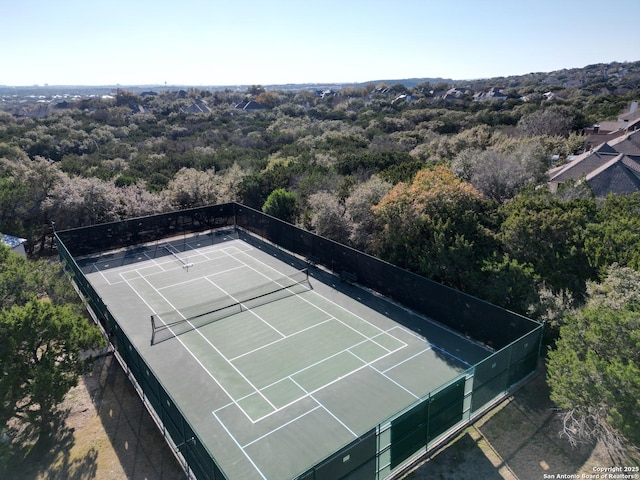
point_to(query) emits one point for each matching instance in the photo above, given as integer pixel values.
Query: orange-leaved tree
(433, 226)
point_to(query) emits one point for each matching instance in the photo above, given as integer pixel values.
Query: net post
(153, 328)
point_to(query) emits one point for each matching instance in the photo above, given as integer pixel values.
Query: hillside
(442, 178)
(615, 76)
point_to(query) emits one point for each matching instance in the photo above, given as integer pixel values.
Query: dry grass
(104, 432)
(517, 441)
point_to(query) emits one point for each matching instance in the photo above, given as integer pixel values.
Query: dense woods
(445, 185)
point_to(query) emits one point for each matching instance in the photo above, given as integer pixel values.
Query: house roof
(250, 105)
(621, 175)
(629, 144)
(605, 148)
(198, 106)
(493, 94)
(611, 167)
(581, 166)
(12, 241)
(630, 117)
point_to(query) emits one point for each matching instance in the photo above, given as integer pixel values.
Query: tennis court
(275, 366)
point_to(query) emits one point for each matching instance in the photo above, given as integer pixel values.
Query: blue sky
(222, 42)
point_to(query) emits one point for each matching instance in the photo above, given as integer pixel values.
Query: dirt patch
(519, 440)
(103, 432)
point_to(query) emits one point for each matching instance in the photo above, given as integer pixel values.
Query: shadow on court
(178, 246)
(448, 345)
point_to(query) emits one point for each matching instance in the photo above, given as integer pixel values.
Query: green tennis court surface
(274, 371)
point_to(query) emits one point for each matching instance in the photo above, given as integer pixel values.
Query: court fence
(388, 447)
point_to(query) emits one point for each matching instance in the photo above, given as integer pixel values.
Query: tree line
(449, 189)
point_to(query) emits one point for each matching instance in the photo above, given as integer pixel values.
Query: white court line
(331, 317)
(433, 345)
(348, 326)
(119, 271)
(247, 309)
(284, 337)
(192, 249)
(239, 446)
(320, 404)
(197, 279)
(407, 359)
(214, 347)
(277, 428)
(316, 306)
(157, 264)
(125, 269)
(364, 365)
(388, 378)
(346, 350)
(162, 265)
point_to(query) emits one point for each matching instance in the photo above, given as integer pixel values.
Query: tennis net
(173, 323)
(174, 251)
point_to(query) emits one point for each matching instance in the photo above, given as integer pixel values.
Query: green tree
(433, 227)
(25, 187)
(21, 279)
(614, 236)
(282, 204)
(42, 332)
(506, 282)
(193, 188)
(594, 369)
(254, 189)
(40, 353)
(540, 230)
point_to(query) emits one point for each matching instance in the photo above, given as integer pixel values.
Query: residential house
(250, 105)
(199, 106)
(492, 94)
(402, 98)
(327, 92)
(631, 119)
(15, 243)
(612, 167)
(456, 93)
(628, 144)
(609, 130)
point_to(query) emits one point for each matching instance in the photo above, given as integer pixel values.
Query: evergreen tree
(594, 369)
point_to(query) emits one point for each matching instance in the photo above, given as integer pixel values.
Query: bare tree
(359, 210)
(328, 216)
(499, 175)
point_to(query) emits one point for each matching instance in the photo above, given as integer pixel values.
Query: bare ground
(519, 440)
(104, 432)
